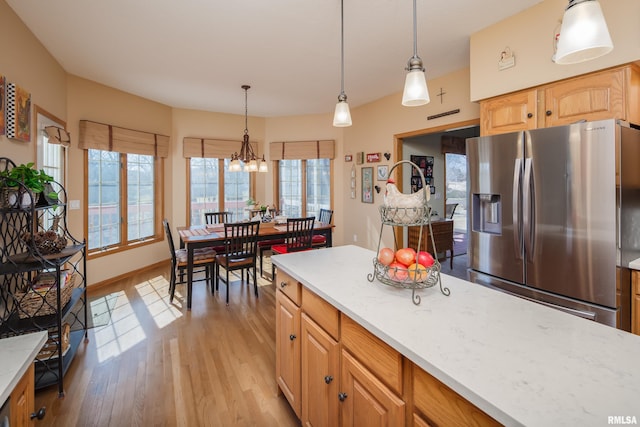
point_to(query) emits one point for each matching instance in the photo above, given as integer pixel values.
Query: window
(51, 155)
(316, 180)
(213, 188)
(121, 186)
(303, 176)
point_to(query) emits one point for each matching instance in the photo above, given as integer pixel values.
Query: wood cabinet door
(288, 350)
(320, 370)
(366, 401)
(23, 400)
(508, 113)
(593, 97)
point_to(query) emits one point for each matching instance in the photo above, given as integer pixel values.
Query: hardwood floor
(156, 364)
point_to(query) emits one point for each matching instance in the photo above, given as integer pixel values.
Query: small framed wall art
(383, 171)
(367, 185)
(348, 158)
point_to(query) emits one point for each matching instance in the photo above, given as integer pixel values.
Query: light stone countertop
(16, 354)
(520, 362)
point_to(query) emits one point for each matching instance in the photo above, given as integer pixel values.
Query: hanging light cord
(342, 47)
(246, 126)
(415, 62)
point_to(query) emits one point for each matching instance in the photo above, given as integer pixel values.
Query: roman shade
(293, 150)
(100, 136)
(212, 148)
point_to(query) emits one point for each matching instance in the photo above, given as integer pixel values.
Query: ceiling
(196, 54)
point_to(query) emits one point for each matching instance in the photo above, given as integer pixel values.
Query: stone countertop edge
(520, 362)
(16, 354)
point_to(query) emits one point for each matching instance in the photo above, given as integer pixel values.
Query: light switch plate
(74, 204)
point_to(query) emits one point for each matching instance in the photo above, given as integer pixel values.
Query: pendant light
(342, 115)
(246, 156)
(415, 86)
(584, 34)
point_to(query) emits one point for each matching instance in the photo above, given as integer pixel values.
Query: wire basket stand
(411, 210)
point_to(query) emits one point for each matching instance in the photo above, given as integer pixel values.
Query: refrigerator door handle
(528, 207)
(517, 229)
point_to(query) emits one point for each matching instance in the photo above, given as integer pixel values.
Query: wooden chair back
(241, 241)
(325, 216)
(300, 233)
(217, 217)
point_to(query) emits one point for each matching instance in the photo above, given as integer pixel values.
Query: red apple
(425, 259)
(398, 272)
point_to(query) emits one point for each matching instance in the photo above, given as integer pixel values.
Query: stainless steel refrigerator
(553, 211)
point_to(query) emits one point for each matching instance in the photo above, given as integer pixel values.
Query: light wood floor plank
(156, 364)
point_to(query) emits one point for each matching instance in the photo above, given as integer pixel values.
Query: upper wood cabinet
(509, 113)
(612, 93)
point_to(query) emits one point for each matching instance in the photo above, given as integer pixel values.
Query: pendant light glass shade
(342, 115)
(415, 84)
(584, 34)
(415, 89)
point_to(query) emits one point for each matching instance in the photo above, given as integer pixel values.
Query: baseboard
(91, 289)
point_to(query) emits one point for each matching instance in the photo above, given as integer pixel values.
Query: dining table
(202, 236)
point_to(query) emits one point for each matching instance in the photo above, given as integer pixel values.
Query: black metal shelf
(30, 301)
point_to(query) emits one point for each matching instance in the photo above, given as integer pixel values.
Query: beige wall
(25, 62)
(530, 36)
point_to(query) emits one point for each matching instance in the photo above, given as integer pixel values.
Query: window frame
(126, 244)
(303, 193)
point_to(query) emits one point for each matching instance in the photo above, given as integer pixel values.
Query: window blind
(212, 148)
(106, 137)
(293, 150)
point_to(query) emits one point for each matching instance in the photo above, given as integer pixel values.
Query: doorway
(456, 198)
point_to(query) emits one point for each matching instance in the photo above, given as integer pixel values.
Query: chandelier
(247, 156)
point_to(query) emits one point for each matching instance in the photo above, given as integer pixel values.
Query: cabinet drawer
(377, 356)
(323, 313)
(444, 407)
(289, 286)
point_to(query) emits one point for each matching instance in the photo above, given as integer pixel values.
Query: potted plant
(36, 181)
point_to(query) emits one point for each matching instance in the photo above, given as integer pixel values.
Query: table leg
(189, 274)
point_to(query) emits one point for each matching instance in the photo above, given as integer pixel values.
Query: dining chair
(450, 209)
(217, 217)
(319, 241)
(204, 259)
(299, 238)
(241, 247)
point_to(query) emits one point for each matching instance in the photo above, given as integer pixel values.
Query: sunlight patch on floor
(155, 295)
(122, 333)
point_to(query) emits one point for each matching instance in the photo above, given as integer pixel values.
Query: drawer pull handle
(40, 414)
(548, 112)
(529, 115)
(283, 284)
(292, 337)
(328, 379)
(342, 396)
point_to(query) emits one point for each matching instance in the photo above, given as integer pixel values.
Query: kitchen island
(519, 362)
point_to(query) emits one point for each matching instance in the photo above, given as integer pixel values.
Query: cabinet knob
(548, 112)
(292, 337)
(342, 396)
(283, 284)
(328, 379)
(40, 414)
(529, 115)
